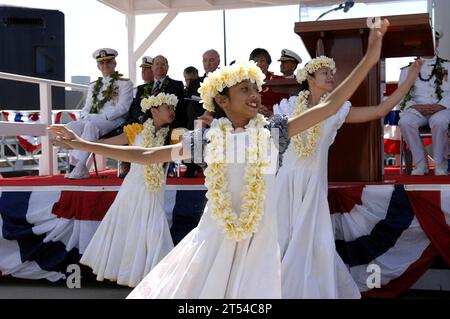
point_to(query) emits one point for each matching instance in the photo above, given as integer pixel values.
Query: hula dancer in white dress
(234, 252)
(134, 235)
(311, 267)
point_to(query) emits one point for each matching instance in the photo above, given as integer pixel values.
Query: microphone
(348, 5)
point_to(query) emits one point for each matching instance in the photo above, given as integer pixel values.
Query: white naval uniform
(92, 126)
(411, 120)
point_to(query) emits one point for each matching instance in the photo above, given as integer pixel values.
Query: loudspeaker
(32, 44)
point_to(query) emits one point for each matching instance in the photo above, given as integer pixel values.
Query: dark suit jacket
(169, 86)
(195, 109)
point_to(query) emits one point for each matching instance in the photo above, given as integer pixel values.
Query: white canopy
(132, 8)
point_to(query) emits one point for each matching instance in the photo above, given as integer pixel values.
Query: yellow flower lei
(154, 173)
(253, 193)
(305, 143)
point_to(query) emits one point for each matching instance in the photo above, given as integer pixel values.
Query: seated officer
(135, 114)
(289, 62)
(107, 103)
(428, 103)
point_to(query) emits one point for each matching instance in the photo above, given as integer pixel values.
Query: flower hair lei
(312, 66)
(228, 76)
(157, 100)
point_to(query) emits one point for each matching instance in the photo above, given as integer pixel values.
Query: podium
(357, 153)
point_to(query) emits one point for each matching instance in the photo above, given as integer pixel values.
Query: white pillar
(131, 29)
(47, 161)
(442, 22)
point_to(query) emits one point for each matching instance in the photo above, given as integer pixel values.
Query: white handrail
(29, 79)
(48, 156)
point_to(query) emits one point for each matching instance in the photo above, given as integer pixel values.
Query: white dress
(205, 264)
(134, 235)
(311, 267)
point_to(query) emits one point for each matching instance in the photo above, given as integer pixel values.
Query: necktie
(156, 87)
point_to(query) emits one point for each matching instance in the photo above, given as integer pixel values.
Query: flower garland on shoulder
(154, 173)
(97, 104)
(228, 76)
(242, 226)
(148, 88)
(438, 72)
(305, 143)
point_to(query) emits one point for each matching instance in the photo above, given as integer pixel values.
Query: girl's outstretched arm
(369, 113)
(120, 139)
(141, 155)
(346, 89)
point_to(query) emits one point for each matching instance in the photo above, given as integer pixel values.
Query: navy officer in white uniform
(428, 102)
(289, 60)
(107, 103)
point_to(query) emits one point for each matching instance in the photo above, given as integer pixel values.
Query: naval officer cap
(104, 54)
(288, 55)
(147, 62)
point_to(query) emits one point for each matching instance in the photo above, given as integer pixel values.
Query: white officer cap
(147, 62)
(288, 55)
(104, 54)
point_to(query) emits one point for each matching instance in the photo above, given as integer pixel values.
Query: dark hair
(226, 92)
(260, 51)
(191, 70)
(304, 86)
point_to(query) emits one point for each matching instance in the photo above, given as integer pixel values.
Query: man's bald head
(211, 60)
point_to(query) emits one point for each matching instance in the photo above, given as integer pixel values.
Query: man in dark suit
(161, 83)
(211, 61)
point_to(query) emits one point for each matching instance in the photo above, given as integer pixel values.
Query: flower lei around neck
(305, 143)
(97, 104)
(242, 226)
(154, 173)
(438, 72)
(148, 87)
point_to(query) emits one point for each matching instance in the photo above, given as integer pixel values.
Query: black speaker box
(32, 44)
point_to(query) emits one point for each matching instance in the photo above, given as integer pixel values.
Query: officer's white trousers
(90, 130)
(409, 126)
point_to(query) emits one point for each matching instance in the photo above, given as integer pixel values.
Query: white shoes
(79, 172)
(441, 169)
(421, 168)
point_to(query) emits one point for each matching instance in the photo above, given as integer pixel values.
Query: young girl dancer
(134, 235)
(311, 267)
(233, 252)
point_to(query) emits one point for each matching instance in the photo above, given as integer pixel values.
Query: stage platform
(393, 234)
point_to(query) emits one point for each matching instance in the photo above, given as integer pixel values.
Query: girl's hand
(62, 132)
(64, 137)
(414, 70)
(376, 35)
